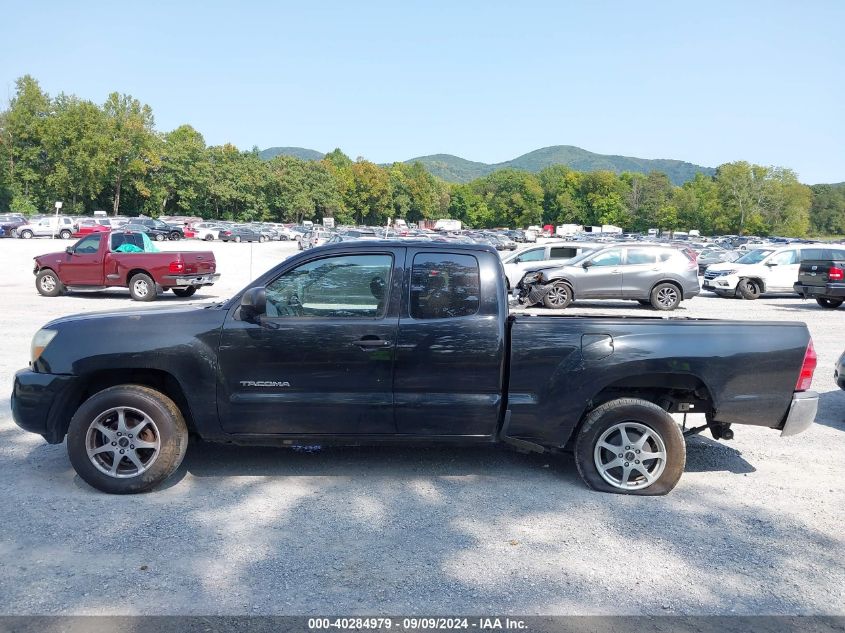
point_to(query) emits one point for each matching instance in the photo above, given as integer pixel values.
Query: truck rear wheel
(630, 446)
(142, 287)
(47, 283)
(749, 289)
(559, 296)
(829, 303)
(185, 292)
(127, 439)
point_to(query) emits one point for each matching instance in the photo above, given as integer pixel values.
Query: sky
(706, 82)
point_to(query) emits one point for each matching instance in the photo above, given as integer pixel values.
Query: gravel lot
(754, 527)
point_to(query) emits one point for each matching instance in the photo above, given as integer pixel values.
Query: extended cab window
(444, 285)
(346, 286)
(87, 245)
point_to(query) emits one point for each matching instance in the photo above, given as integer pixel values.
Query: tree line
(110, 156)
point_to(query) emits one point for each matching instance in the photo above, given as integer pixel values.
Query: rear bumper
(41, 402)
(802, 413)
(189, 280)
(828, 290)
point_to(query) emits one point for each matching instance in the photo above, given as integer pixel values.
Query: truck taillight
(835, 274)
(805, 378)
(177, 266)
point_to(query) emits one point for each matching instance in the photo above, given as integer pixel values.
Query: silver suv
(659, 276)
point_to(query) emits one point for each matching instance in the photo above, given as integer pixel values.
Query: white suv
(61, 226)
(767, 269)
(519, 262)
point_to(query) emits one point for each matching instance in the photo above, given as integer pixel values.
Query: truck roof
(418, 244)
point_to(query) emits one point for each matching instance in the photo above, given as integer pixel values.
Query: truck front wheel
(127, 439)
(48, 284)
(142, 287)
(630, 446)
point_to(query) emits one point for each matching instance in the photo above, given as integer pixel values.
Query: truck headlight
(40, 342)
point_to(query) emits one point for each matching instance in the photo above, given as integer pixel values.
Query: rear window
(822, 253)
(563, 252)
(119, 239)
(444, 285)
(642, 256)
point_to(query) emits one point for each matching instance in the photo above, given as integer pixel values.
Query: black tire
(159, 237)
(665, 297)
(175, 236)
(48, 284)
(26, 234)
(65, 234)
(209, 238)
(142, 287)
(830, 304)
(283, 238)
(185, 292)
(261, 239)
(165, 428)
(638, 416)
(749, 289)
(237, 238)
(559, 296)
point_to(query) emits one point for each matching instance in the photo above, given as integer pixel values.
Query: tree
(512, 197)
(742, 191)
(183, 178)
(603, 195)
(23, 133)
(131, 146)
(368, 198)
(827, 211)
(562, 203)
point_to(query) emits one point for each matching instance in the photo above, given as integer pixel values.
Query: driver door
(603, 277)
(320, 360)
(84, 266)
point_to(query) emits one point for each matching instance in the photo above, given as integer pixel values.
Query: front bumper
(189, 280)
(725, 283)
(41, 403)
(832, 291)
(802, 413)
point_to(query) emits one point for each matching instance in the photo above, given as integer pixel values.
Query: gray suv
(659, 276)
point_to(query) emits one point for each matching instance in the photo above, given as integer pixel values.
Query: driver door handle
(372, 342)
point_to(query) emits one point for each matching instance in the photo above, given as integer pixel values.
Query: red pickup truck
(123, 259)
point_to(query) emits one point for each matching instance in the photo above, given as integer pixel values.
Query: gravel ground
(754, 527)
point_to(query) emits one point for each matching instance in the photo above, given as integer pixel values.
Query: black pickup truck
(823, 278)
(367, 342)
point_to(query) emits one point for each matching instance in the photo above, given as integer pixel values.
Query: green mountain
(296, 152)
(456, 169)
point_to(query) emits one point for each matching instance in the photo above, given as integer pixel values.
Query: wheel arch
(756, 279)
(89, 384)
(674, 282)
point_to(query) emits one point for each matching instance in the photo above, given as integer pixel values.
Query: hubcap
(557, 296)
(48, 283)
(141, 288)
(122, 442)
(667, 296)
(630, 456)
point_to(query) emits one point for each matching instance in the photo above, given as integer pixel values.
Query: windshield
(755, 256)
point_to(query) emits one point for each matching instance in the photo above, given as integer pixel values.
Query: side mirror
(253, 304)
(587, 264)
(69, 250)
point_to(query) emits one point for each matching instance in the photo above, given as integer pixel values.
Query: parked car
(86, 226)
(9, 223)
(240, 234)
(710, 256)
(157, 234)
(839, 372)
(94, 262)
(48, 226)
(403, 342)
(660, 276)
(821, 275)
(208, 231)
(559, 252)
(763, 270)
(172, 231)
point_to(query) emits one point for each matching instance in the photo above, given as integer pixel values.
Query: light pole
(56, 228)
